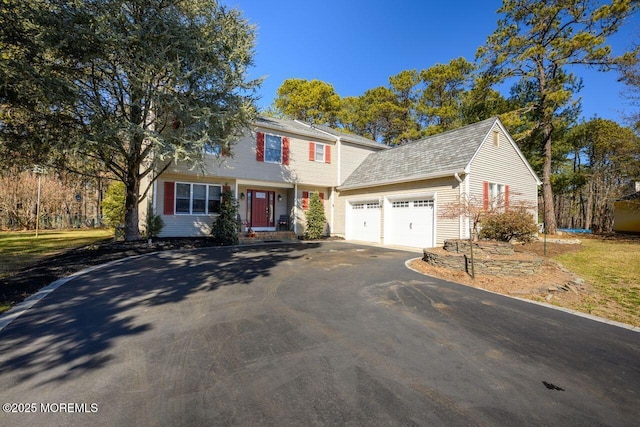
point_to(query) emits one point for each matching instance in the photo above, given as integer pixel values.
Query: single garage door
(364, 221)
(409, 222)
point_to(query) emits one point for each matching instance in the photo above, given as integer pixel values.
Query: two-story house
(274, 169)
(370, 192)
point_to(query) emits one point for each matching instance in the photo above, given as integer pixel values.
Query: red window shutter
(285, 150)
(312, 151)
(322, 197)
(260, 147)
(327, 154)
(169, 196)
(485, 195)
(506, 196)
(305, 200)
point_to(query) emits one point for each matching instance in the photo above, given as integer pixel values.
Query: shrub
(153, 224)
(225, 227)
(113, 204)
(515, 224)
(316, 219)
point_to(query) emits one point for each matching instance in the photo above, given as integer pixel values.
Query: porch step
(263, 236)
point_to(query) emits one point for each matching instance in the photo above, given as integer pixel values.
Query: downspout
(460, 221)
(154, 197)
(333, 198)
(339, 149)
(295, 209)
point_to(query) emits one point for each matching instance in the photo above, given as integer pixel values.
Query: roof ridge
(446, 132)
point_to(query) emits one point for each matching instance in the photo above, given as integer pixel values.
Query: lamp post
(38, 170)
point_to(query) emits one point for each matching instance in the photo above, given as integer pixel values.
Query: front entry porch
(261, 210)
(265, 209)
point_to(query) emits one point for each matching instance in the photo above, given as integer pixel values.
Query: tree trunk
(547, 191)
(131, 230)
(589, 213)
(98, 202)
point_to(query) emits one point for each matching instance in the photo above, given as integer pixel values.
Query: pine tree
(316, 219)
(225, 227)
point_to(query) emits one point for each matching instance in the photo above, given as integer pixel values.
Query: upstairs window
(319, 152)
(272, 148)
(216, 150)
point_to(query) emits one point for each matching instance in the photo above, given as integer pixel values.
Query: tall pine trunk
(547, 191)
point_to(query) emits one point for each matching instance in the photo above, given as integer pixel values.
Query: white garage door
(364, 221)
(409, 222)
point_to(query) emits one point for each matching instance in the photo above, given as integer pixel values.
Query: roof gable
(438, 155)
(513, 145)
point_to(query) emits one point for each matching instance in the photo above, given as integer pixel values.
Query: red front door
(262, 206)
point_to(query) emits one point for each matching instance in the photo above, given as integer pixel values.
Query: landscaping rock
(498, 265)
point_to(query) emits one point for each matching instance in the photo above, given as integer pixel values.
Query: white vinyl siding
(500, 164)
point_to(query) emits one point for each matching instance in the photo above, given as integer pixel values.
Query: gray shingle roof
(449, 151)
(350, 137)
(319, 131)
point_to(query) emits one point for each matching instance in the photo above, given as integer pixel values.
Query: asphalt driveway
(324, 334)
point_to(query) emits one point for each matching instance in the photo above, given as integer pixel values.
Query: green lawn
(613, 268)
(19, 249)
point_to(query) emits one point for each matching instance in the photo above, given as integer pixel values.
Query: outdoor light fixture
(279, 197)
(242, 196)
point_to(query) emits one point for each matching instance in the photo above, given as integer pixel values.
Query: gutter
(460, 224)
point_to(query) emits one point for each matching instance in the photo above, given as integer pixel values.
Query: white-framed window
(496, 194)
(273, 149)
(320, 152)
(197, 199)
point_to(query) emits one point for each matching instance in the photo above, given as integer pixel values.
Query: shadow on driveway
(70, 331)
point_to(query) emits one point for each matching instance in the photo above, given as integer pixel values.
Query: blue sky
(357, 45)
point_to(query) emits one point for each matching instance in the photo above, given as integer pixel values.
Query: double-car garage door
(407, 221)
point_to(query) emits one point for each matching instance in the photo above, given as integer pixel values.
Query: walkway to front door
(262, 208)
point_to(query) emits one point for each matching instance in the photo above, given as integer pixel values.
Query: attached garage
(409, 221)
(363, 221)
